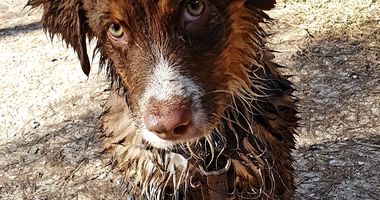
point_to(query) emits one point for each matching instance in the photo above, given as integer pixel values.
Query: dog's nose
(168, 120)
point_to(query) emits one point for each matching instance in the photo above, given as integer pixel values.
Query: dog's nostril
(180, 129)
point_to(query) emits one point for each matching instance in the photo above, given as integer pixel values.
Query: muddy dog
(198, 109)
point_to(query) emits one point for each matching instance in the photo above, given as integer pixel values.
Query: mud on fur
(197, 108)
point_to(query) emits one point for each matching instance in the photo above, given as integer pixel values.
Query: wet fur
(251, 116)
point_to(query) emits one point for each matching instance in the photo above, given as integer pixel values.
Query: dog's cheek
(216, 100)
(135, 75)
(212, 81)
(128, 69)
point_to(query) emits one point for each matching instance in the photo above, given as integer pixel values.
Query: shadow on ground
(5, 32)
(338, 77)
(64, 163)
(348, 169)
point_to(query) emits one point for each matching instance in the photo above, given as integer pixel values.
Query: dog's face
(171, 55)
(181, 61)
(166, 54)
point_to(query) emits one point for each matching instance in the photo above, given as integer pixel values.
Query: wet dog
(198, 109)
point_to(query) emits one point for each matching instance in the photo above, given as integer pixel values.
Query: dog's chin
(168, 144)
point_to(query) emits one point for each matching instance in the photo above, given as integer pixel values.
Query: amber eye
(194, 9)
(116, 30)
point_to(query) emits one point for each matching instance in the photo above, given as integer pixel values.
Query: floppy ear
(262, 4)
(68, 19)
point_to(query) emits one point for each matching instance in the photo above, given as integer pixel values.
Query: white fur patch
(164, 84)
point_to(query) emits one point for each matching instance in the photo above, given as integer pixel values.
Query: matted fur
(251, 115)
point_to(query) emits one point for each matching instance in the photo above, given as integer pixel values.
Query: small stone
(34, 150)
(35, 125)
(336, 162)
(352, 117)
(375, 110)
(102, 176)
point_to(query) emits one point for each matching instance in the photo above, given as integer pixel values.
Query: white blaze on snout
(165, 84)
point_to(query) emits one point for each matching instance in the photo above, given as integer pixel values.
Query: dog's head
(181, 62)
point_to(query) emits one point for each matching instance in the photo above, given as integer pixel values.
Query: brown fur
(251, 112)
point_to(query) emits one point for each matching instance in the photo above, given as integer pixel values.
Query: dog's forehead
(141, 14)
(133, 8)
(145, 7)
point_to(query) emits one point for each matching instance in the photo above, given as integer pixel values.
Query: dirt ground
(49, 108)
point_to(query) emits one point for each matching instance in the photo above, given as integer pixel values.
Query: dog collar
(210, 184)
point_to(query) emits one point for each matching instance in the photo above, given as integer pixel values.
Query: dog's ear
(262, 4)
(68, 19)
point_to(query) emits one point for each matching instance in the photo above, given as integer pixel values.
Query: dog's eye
(116, 31)
(194, 10)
